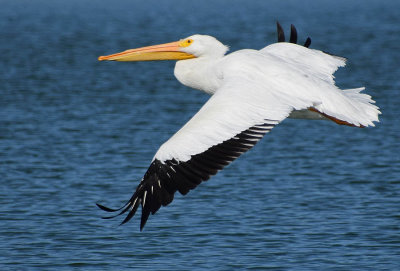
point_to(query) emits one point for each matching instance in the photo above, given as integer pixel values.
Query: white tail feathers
(368, 112)
(350, 107)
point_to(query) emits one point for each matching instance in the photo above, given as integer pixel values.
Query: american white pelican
(252, 91)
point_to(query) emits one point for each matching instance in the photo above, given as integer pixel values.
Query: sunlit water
(73, 131)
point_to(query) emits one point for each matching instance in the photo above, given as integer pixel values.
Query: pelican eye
(186, 43)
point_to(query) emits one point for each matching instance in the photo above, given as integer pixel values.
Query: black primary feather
(281, 33)
(293, 34)
(307, 43)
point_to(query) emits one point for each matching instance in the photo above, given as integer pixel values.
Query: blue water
(74, 131)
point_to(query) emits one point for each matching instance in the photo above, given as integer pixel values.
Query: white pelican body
(252, 91)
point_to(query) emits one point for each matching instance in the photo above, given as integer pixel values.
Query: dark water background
(75, 131)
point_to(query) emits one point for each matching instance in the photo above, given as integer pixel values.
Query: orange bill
(166, 51)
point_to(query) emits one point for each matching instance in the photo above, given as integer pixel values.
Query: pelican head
(190, 47)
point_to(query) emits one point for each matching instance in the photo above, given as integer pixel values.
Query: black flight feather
(281, 33)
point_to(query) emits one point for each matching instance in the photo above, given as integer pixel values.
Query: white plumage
(249, 86)
(252, 91)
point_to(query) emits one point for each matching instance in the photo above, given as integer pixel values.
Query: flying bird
(251, 92)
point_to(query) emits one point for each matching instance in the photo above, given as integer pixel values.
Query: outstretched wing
(229, 124)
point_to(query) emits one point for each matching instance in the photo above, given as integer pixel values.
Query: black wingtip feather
(143, 219)
(104, 208)
(293, 34)
(281, 33)
(307, 43)
(131, 212)
(109, 217)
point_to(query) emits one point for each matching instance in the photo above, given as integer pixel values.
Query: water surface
(75, 131)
